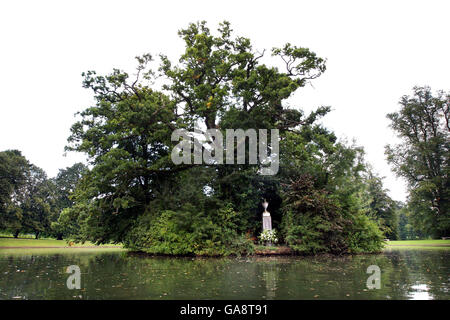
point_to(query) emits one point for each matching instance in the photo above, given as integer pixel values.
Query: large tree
(126, 136)
(219, 82)
(13, 169)
(35, 200)
(423, 157)
(134, 193)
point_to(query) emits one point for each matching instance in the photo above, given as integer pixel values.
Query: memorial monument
(267, 219)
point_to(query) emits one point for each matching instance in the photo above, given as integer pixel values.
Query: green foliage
(26, 196)
(423, 157)
(380, 206)
(126, 136)
(188, 232)
(364, 236)
(136, 195)
(406, 230)
(13, 168)
(321, 221)
(66, 181)
(66, 226)
(312, 223)
(29, 201)
(34, 199)
(64, 185)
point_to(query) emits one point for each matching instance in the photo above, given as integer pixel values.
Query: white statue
(265, 205)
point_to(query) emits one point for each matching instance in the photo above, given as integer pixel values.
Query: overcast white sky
(376, 50)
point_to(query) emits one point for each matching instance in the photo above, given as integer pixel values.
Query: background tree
(64, 185)
(423, 157)
(13, 168)
(29, 201)
(35, 201)
(406, 230)
(380, 206)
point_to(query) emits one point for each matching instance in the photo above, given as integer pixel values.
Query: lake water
(114, 274)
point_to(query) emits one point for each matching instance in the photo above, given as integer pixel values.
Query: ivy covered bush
(315, 222)
(188, 233)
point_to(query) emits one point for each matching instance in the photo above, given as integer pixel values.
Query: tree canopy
(30, 202)
(135, 194)
(423, 157)
(13, 168)
(323, 196)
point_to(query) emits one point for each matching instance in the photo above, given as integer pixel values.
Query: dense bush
(315, 222)
(188, 233)
(312, 223)
(364, 235)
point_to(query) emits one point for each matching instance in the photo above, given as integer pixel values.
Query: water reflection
(420, 292)
(40, 274)
(270, 274)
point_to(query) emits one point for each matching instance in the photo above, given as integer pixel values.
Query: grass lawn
(419, 243)
(45, 243)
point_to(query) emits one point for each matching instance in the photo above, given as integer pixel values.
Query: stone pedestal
(267, 222)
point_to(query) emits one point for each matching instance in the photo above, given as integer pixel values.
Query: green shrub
(364, 236)
(188, 233)
(317, 222)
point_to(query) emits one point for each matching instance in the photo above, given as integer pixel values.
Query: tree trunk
(16, 234)
(210, 121)
(37, 235)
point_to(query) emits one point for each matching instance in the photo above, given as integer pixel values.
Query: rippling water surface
(115, 274)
